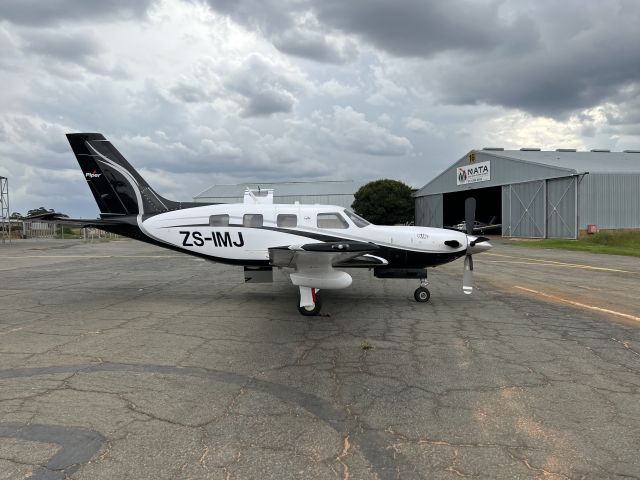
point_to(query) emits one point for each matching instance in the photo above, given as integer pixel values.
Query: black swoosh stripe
(314, 236)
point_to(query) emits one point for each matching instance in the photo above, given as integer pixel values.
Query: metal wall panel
(523, 213)
(429, 211)
(562, 215)
(609, 200)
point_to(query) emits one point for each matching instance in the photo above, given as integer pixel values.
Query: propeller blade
(467, 280)
(470, 214)
(478, 240)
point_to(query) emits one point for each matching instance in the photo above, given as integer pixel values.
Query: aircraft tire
(310, 311)
(422, 294)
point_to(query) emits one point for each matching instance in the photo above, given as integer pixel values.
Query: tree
(385, 202)
(39, 211)
(16, 215)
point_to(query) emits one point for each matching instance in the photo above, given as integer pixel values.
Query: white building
(339, 193)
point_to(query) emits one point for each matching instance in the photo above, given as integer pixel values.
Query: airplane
(479, 227)
(313, 244)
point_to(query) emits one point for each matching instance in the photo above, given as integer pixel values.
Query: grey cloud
(37, 12)
(68, 46)
(267, 16)
(9, 49)
(266, 87)
(268, 102)
(422, 29)
(567, 75)
(314, 46)
(189, 93)
(278, 22)
(349, 130)
(545, 57)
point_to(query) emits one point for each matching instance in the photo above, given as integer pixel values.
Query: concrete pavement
(122, 360)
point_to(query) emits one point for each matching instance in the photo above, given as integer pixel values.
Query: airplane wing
(348, 254)
(314, 266)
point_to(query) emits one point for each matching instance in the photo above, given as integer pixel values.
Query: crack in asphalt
(373, 446)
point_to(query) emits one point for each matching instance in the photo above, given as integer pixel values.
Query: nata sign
(477, 172)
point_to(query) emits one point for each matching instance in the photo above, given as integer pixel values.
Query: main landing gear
(309, 305)
(422, 293)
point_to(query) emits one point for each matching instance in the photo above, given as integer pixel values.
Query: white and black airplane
(313, 244)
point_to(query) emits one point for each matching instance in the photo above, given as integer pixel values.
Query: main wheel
(421, 294)
(310, 310)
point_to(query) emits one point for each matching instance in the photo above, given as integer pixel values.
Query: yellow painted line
(523, 262)
(11, 331)
(581, 305)
(540, 261)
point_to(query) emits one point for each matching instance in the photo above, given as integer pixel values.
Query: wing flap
(325, 254)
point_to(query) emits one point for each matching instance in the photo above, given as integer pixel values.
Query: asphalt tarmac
(122, 360)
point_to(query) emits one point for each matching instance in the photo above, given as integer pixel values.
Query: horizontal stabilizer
(66, 220)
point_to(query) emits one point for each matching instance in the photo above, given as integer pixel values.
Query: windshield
(358, 220)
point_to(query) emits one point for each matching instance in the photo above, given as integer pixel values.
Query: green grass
(611, 243)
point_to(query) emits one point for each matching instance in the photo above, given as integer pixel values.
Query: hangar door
(523, 210)
(429, 211)
(562, 218)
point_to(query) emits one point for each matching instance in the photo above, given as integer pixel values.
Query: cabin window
(219, 220)
(253, 220)
(331, 220)
(287, 220)
(357, 219)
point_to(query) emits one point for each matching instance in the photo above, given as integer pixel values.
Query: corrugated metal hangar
(537, 194)
(339, 193)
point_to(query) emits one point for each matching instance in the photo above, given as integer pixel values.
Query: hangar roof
(347, 187)
(516, 166)
(578, 162)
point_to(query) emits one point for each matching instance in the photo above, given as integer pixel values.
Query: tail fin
(115, 184)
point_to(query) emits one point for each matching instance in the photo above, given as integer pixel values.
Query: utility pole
(5, 215)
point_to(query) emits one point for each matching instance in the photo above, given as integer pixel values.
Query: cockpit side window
(287, 220)
(357, 219)
(219, 220)
(331, 220)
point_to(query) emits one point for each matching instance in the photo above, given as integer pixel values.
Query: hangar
(339, 193)
(537, 194)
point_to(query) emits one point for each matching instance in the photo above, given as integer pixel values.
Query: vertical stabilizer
(117, 187)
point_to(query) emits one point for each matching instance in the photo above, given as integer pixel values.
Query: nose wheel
(422, 293)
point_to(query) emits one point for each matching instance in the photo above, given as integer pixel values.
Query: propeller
(467, 279)
(469, 220)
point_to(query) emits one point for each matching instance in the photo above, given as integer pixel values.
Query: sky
(201, 92)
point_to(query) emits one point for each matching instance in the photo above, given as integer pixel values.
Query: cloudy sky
(198, 92)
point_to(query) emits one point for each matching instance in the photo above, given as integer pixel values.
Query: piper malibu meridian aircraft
(311, 243)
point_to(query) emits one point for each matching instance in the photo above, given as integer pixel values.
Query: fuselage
(243, 233)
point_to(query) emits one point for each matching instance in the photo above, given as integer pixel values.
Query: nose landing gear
(422, 293)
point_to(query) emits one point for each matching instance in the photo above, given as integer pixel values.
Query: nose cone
(477, 244)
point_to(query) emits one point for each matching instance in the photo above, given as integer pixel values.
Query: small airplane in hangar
(479, 227)
(313, 244)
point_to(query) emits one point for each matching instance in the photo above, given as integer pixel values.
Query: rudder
(116, 186)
